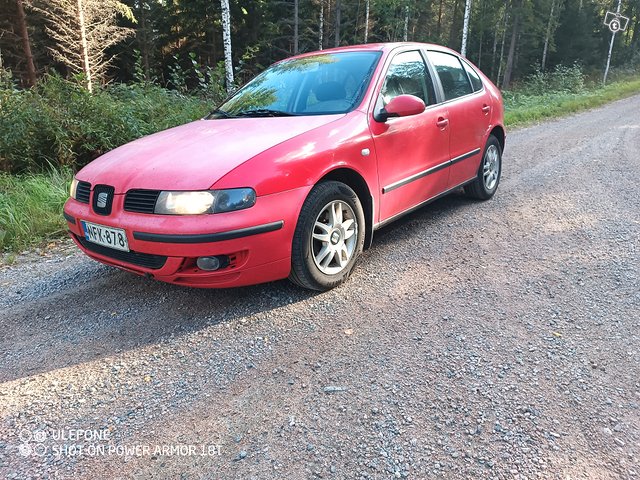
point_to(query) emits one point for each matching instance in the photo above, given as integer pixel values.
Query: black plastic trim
(145, 260)
(421, 204)
(429, 171)
(464, 156)
(209, 237)
(68, 218)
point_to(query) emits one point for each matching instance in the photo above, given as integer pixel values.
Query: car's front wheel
(328, 238)
(488, 178)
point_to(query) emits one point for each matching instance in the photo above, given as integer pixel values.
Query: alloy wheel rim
(334, 237)
(491, 167)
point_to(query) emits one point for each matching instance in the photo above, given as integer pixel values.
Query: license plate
(105, 236)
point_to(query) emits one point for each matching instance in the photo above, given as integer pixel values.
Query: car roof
(375, 47)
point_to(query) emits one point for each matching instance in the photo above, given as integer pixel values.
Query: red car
(291, 176)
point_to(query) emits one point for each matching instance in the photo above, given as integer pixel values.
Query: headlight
(210, 201)
(74, 187)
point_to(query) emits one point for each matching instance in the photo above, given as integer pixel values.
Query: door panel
(413, 151)
(469, 115)
(468, 128)
(413, 155)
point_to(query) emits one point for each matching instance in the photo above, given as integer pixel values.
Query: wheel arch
(359, 185)
(498, 132)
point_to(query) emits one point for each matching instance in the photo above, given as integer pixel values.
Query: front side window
(314, 85)
(408, 75)
(453, 77)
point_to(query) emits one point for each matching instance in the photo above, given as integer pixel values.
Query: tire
(488, 177)
(329, 237)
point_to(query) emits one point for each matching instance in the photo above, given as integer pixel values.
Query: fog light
(212, 263)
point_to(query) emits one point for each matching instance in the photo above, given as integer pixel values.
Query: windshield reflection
(315, 85)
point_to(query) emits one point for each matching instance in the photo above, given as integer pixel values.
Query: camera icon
(616, 22)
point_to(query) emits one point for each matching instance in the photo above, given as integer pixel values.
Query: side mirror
(400, 106)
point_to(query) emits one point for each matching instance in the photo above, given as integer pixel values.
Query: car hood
(196, 155)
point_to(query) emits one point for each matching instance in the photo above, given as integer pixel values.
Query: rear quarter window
(476, 81)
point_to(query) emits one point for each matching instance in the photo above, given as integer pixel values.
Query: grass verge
(31, 204)
(523, 110)
(31, 209)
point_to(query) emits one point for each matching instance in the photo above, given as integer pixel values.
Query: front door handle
(486, 108)
(442, 122)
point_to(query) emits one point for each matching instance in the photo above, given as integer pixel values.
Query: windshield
(315, 85)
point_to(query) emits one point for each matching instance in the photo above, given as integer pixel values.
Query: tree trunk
(26, 44)
(454, 24)
(366, 21)
(296, 21)
(495, 49)
(481, 39)
(321, 29)
(635, 40)
(86, 67)
(226, 38)
(143, 40)
(465, 27)
(547, 36)
(504, 35)
(338, 20)
(439, 26)
(508, 69)
(406, 23)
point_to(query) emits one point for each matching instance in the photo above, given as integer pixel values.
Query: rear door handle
(486, 108)
(442, 122)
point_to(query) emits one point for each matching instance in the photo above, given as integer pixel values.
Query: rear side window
(453, 77)
(408, 75)
(476, 83)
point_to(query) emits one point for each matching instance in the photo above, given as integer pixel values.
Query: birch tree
(465, 27)
(405, 30)
(321, 26)
(366, 21)
(226, 38)
(82, 31)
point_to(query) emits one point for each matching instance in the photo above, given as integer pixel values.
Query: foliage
(30, 207)
(562, 79)
(172, 33)
(59, 123)
(522, 109)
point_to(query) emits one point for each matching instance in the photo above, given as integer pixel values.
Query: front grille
(141, 201)
(147, 260)
(83, 191)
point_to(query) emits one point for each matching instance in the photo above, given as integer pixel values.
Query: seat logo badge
(102, 199)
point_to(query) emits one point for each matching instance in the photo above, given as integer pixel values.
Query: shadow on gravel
(114, 312)
(405, 226)
(103, 311)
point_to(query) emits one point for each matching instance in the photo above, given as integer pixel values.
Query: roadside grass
(31, 204)
(521, 110)
(31, 209)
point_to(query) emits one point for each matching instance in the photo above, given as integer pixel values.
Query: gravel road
(474, 340)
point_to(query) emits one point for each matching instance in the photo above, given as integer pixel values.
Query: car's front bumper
(257, 241)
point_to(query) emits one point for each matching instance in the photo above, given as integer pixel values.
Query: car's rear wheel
(488, 178)
(328, 238)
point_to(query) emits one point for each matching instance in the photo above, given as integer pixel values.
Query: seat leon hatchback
(292, 175)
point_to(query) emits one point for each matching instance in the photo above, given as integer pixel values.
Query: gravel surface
(474, 340)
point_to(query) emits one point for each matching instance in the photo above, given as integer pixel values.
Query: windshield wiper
(263, 112)
(221, 113)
